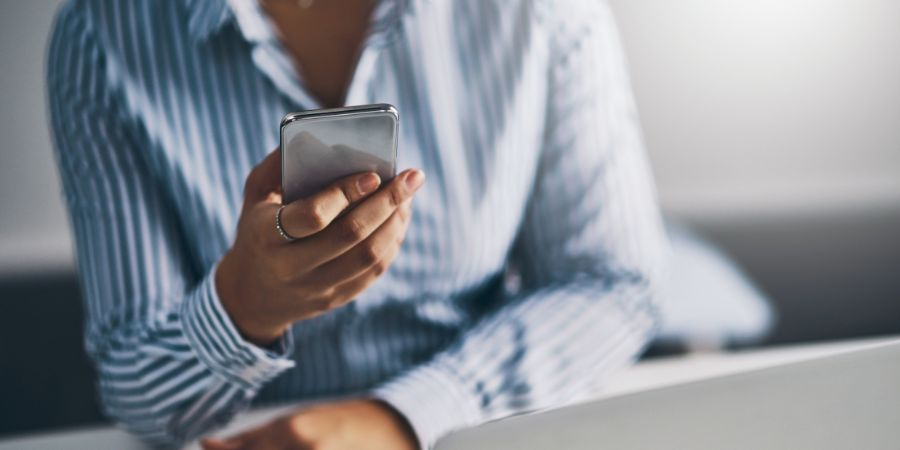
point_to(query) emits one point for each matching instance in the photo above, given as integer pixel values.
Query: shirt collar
(206, 17)
(251, 20)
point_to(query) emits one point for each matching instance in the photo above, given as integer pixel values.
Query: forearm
(170, 380)
(548, 347)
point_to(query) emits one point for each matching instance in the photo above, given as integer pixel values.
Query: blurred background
(774, 131)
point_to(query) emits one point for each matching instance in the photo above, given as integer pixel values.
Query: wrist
(228, 288)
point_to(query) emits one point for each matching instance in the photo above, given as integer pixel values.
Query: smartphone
(318, 147)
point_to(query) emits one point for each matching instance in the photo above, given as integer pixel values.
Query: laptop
(847, 401)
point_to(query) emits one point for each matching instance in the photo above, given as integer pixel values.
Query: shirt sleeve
(171, 364)
(590, 253)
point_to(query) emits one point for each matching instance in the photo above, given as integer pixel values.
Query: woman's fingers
(348, 290)
(310, 215)
(266, 284)
(357, 225)
(373, 254)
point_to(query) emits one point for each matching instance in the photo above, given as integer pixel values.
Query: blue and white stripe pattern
(528, 271)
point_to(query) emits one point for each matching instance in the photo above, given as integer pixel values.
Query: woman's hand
(266, 283)
(350, 425)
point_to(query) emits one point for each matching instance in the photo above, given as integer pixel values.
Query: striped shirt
(529, 267)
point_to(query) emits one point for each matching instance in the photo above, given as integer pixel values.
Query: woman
(526, 270)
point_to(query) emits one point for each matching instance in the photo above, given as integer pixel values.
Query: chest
(472, 122)
(323, 43)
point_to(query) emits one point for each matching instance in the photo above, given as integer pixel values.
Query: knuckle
(338, 302)
(380, 268)
(315, 217)
(328, 293)
(352, 230)
(369, 255)
(349, 192)
(396, 197)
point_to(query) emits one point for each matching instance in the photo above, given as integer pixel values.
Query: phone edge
(386, 108)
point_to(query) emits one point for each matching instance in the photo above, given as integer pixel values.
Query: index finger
(310, 215)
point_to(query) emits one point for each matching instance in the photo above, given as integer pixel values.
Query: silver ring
(278, 226)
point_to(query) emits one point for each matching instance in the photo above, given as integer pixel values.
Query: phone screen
(318, 150)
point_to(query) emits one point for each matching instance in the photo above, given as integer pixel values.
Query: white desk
(645, 375)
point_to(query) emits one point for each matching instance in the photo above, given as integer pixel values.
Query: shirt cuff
(220, 346)
(433, 400)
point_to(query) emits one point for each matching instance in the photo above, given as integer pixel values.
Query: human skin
(267, 283)
(355, 424)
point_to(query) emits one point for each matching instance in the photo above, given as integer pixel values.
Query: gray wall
(34, 234)
(769, 108)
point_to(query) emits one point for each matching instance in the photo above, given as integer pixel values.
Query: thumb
(265, 178)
